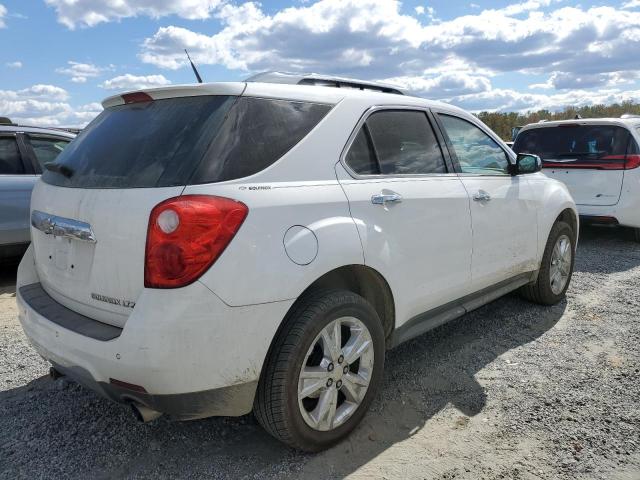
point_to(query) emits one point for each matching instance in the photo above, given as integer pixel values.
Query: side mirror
(526, 163)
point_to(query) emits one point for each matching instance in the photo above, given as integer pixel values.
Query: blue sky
(65, 56)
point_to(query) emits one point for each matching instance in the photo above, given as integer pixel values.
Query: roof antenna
(195, 70)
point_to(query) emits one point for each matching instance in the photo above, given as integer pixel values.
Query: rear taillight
(608, 162)
(633, 161)
(186, 235)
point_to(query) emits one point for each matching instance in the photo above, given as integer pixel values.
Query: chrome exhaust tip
(143, 413)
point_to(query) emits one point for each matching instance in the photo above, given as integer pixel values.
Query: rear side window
(180, 141)
(477, 152)
(396, 142)
(47, 149)
(577, 145)
(10, 161)
(255, 135)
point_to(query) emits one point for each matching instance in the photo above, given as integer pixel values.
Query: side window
(361, 158)
(396, 142)
(46, 149)
(10, 161)
(257, 133)
(476, 151)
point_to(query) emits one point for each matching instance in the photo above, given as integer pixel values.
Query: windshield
(150, 144)
(570, 144)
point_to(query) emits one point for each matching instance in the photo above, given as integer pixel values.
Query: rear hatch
(589, 158)
(92, 207)
(91, 210)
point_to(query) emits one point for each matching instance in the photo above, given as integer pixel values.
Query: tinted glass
(255, 135)
(150, 144)
(47, 149)
(404, 143)
(476, 151)
(10, 162)
(361, 158)
(576, 143)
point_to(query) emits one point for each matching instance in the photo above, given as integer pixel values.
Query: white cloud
(419, 10)
(373, 39)
(16, 64)
(134, 82)
(80, 72)
(87, 13)
(442, 86)
(45, 105)
(511, 100)
(631, 4)
(3, 14)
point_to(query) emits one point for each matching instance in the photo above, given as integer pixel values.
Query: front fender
(554, 200)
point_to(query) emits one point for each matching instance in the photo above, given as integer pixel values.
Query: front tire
(322, 372)
(556, 268)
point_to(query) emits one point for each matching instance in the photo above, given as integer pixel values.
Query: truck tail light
(186, 235)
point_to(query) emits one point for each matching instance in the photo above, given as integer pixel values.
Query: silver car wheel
(335, 375)
(560, 270)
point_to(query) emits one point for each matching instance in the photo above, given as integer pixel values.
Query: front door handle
(384, 198)
(481, 196)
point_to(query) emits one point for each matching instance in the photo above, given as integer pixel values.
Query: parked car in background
(597, 159)
(23, 153)
(219, 248)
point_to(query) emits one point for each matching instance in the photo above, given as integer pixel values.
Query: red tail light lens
(136, 97)
(186, 235)
(633, 161)
(608, 162)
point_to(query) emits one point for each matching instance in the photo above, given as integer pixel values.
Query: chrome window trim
(62, 227)
(367, 113)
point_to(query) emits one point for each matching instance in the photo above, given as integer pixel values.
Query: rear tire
(556, 268)
(301, 361)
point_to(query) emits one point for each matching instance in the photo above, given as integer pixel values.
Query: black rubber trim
(440, 315)
(35, 296)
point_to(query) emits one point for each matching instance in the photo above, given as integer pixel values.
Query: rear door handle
(384, 198)
(481, 196)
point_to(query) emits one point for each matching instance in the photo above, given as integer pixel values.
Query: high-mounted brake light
(186, 235)
(136, 97)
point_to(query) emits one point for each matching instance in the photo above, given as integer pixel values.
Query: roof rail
(323, 81)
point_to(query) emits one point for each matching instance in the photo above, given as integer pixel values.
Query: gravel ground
(511, 391)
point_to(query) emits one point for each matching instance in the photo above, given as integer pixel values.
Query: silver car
(23, 153)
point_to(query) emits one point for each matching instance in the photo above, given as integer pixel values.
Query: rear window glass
(180, 141)
(255, 135)
(576, 143)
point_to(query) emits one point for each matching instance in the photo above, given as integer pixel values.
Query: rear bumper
(623, 214)
(189, 353)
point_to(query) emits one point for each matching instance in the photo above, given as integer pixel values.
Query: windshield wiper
(59, 168)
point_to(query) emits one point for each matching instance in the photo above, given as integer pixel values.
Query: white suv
(221, 248)
(597, 159)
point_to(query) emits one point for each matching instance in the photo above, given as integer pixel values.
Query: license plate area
(63, 257)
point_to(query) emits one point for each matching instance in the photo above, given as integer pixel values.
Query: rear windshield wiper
(59, 168)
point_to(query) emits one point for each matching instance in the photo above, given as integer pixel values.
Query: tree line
(503, 122)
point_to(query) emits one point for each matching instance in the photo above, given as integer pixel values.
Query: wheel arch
(360, 279)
